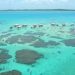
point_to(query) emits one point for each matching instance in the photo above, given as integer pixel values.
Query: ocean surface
(8, 18)
(48, 36)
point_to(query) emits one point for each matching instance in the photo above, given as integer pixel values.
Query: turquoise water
(57, 59)
(35, 17)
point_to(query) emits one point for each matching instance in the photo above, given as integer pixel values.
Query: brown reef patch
(4, 56)
(69, 42)
(20, 39)
(13, 72)
(28, 57)
(41, 43)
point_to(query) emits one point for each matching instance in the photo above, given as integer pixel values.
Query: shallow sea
(54, 40)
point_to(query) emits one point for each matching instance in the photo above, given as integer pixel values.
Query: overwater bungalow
(24, 26)
(18, 26)
(57, 25)
(53, 24)
(63, 25)
(40, 25)
(34, 26)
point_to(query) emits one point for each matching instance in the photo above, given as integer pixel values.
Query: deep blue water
(37, 16)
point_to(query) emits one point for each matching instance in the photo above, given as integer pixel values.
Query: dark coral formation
(4, 56)
(72, 31)
(53, 43)
(27, 56)
(20, 39)
(3, 38)
(1, 69)
(13, 72)
(59, 52)
(41, 43)
(5, 35)
(57, 37)
(69, 42)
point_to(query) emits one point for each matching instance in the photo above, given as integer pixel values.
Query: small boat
(34, 26)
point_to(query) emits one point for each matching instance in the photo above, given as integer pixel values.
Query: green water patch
(67, 67)
(2, 44)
